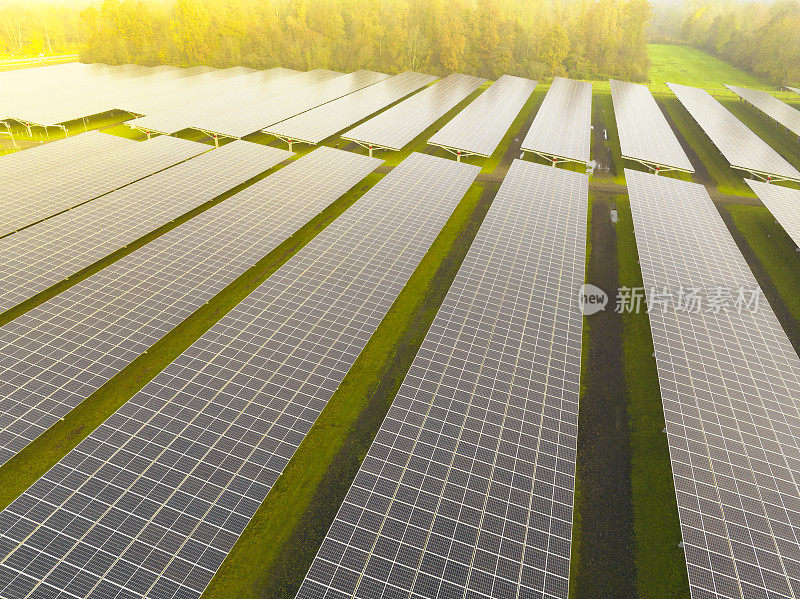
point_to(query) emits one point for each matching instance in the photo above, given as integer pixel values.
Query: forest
(532, 38)
(763, 38)
(587, 39)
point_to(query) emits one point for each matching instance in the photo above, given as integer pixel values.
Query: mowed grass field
(690, 66)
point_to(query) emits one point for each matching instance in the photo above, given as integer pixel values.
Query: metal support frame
(655, 167)
(766, 177)
(10, 133)
(289, 140)
(459, 153)
(213, 135)
(370, 146)
(554, 159)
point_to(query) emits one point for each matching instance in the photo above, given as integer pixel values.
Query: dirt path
(605, 564)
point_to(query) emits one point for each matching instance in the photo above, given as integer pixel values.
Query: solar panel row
(21, 168)
(794, 89)
(783, 203)
(479, 128)
(98, 88)
(228, 99)
(152, 501)
(252, 118)
(53, 187)
(644, 133)
(562, 128)
(467, 489)
(729, 380)
(396, 127)
(44, 254)
(738, 144)
(223, 83)
(59, 353)
(770, 105)
(89, 90)
(320, 123)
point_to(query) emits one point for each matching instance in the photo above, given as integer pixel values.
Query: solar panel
(52, 190)
(323, 121)
(188, 88)
(88, 93)
(40, 256)
(396, 127)
(228, 101)
(562, 128)
(101, 89)
(729, 380)
(253, 117)
(770, 105)
(783, 203)
(738, 144)
(480, 127)
(794, 89)
(203, 87)
(59, 353)
(467, 489)
(644, 133)
(43, 159)
(185, 463)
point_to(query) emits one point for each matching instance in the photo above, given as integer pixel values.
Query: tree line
(763, 38)
(532, 38)
(32, 28)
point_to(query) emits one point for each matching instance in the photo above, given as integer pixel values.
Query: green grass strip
(271, 558)
(26, 467)
(586, 337)
(727, 180)
(773, 248)
(660, 563)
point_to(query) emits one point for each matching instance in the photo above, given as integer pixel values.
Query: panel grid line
(206, 439)
(727, 381)
(439, 506)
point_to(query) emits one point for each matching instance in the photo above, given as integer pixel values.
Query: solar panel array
(89, 89)
(20, 168)
(562, 128)
(249, 119)
(794, 89)
(644, 133)
(153, 500)
(479, 128)
(40, 256)
(770, 105)
(53, 186)
(203, 112)
(204, 87)
(738, 144)
(783, 203)
(468, 487)
(323, 121)
(729, 383)
(59, 353)
(396, 127)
